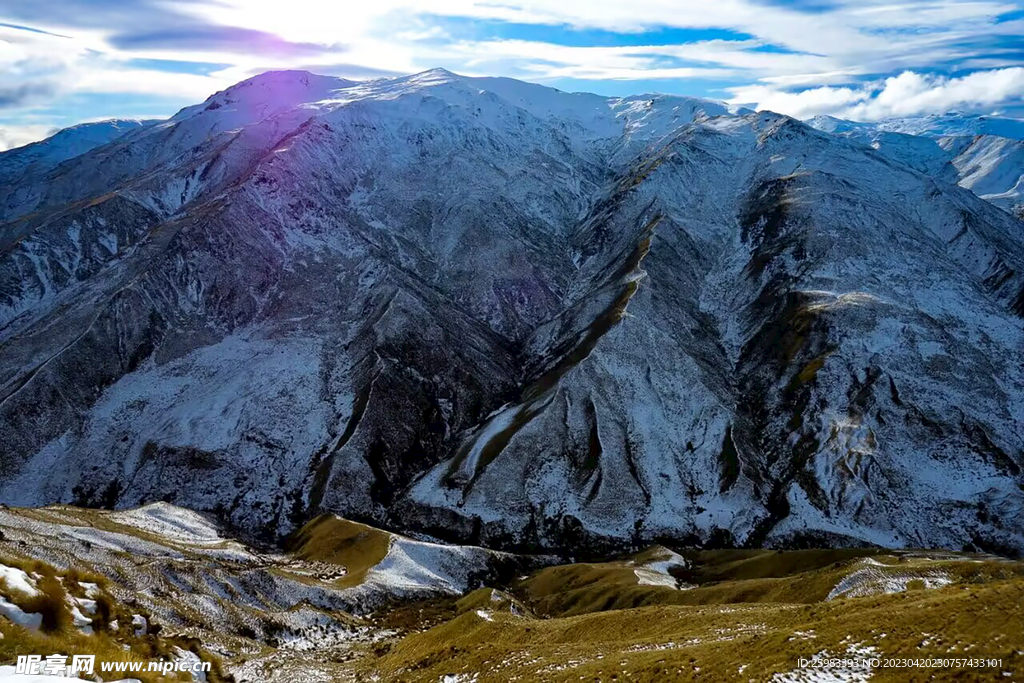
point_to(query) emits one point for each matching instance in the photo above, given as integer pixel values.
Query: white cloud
(912, 93)
(548, 61)
(59, 65)
(803, 104)
(862, 36)
(702, 59)
(111, 78)
(16, 136)
(324, 22)
(922, 13)
(907, 94)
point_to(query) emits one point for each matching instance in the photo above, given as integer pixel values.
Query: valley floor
(348, 602)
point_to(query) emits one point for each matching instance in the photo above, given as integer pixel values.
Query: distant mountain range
(935, 125)
(985, 154)
(486, 311)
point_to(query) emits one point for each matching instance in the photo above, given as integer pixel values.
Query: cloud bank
(906, 94)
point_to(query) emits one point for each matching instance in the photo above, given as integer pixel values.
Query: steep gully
(488, 442)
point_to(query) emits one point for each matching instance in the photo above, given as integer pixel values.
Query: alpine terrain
(407, 337)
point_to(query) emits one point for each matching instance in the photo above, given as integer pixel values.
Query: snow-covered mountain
(982, 153)
(932, 125)
(494, 312)
(65, 144)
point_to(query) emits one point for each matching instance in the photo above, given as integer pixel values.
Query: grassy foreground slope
(738, 616)
(347, 602)
(289, 615)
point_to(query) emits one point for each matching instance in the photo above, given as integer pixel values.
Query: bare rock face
(497, 313)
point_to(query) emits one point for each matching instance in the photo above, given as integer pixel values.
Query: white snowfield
(500, 313)
(19, 616)
(656, 571)
(874, 578)
(172, 523)
(412, 566)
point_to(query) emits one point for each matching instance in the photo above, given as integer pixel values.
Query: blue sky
(66, 61)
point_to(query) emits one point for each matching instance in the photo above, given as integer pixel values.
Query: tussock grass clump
(216, 674)
(106, 612)
(21, 641)
(76, 576)
(27, 565)
(51, 603)
(150, 646)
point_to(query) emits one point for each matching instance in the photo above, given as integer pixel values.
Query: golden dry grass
(751, 616)
(713, 642)
(355, 546)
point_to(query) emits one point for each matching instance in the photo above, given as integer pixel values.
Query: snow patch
(18, 580)
(874, 578)
(19, 616)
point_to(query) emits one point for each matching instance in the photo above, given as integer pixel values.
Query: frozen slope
(758, 384)
(991, 167)
(503, 314)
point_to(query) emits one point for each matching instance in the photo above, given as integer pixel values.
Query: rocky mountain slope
(490, 312)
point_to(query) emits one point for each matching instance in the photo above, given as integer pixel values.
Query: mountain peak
(438, 71)
(432, 76)
(292, 76)
(281, 83)
(264, 94)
